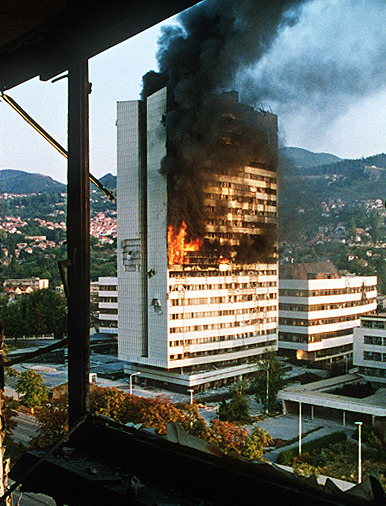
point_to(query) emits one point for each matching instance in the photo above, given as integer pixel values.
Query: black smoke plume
(199, 59)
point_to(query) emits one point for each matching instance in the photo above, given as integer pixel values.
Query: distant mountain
(109, 181)
(352, 168)
(20, 182)
(302, 158)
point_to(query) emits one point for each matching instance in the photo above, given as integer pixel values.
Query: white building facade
(201, 319)
(317, 317)
(370, 349)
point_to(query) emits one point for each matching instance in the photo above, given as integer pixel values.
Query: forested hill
(352, 169)
(347, 187)
(20, 182)
(302, 158)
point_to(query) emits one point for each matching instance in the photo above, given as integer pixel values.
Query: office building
(319, 309)
(370, 349)
(108, 305)
(195, 312)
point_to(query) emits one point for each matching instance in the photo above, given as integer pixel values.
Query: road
(26, 428)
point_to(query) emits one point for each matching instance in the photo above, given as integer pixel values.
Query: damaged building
(197, 242)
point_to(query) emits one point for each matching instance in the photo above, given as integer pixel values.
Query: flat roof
(316, 394)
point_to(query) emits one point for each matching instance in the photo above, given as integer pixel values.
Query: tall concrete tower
(196, 312)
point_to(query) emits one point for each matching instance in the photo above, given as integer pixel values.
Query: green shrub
(286, 456)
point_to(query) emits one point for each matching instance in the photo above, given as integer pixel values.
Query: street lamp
(191, 391)
(131, 381)
(359, 451)
(300, 428)
(265, 367)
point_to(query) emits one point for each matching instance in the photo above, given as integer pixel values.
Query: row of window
(323, 292)
(227, 235)
(198, 301)
(108, 311)
(373, 324)
(255, 224)
(313, 338)
(241, 199)
(375, 340)
(108, 299)
(336, 350)
(217, 326)
(108, 288)
(376, 356)
(244, 187)
(220, 339)
(260, 165)
(235, 211)
(321, 321)
(219, 313)
(222, 274)
(222, 351)
(108, 323)
(320, 307)
(219, 286)
(373, 371)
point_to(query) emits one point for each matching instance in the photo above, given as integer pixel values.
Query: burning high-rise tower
(197, 257)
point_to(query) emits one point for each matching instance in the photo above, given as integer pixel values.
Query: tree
(53, 423)
(339, 367)
(30, 385)
(227, 436)
(10, 417)
(255, 443)
(237, 408)
(269, 367)
(158, 412)
(45, 311)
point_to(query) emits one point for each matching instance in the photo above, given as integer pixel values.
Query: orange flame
(177, 246)
(223, 260)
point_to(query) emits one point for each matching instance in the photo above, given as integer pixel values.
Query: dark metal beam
(93, 26)
(78, 242)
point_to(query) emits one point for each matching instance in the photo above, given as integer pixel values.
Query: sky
(324, 76)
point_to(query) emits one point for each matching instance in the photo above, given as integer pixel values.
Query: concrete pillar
(312, 412)
(344, 418)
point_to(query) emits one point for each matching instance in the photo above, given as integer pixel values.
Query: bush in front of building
(286, 456)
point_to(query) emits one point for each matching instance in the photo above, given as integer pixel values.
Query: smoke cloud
(202, 56)
(321, 66)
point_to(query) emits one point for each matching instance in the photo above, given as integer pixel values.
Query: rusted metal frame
(78, 241)
(45, 349)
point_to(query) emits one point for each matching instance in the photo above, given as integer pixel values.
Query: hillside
(302, 158)
(20, 182)
(109, 181)
(348, 184)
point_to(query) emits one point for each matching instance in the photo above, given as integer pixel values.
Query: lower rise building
(108, 305)
(319, 310)
(370, 349)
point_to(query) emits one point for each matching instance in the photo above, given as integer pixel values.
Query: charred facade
(197, 242)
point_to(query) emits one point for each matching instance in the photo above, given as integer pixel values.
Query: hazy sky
(325, 76)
